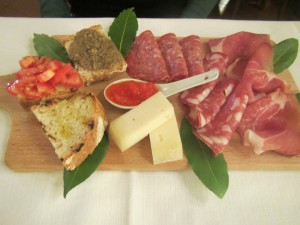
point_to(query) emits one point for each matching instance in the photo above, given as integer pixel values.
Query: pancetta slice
(202, 113)
(193, 53)
(272, 123)
(172, 54)
(145, 60)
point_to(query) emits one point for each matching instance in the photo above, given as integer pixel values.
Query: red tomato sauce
(130, 93)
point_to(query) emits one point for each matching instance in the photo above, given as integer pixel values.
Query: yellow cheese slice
(165, 142)
(134, 125)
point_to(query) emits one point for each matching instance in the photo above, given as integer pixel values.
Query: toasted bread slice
(74, 126)
(61, 93)
(93, 54)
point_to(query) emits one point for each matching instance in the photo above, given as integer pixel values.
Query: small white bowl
(119, 81)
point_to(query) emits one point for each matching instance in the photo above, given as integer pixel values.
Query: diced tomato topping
(72, 81)
(39, 76)
(45, 88)
(28, 72)
(27, 61)
(46, 75)
(54, 65)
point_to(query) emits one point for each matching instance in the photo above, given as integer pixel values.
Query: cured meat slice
(195, 95)
(236, 69)
(193, 53)
(258, 72)
(202, 113)
(272, 123)
(145, 60)
(171, 52)
(219, 131)
(216, 60)
(238, 45)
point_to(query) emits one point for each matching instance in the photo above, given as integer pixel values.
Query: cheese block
(134, 125)
(166, 143)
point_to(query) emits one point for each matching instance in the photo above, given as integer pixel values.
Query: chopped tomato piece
(28, 72)
(54, 65)
(46, 75)
(72, 80)
(45, 88)
(27, 61)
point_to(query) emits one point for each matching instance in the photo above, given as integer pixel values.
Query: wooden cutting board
(28, 149)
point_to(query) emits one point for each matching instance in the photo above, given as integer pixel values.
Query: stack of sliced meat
(165, 59)
(247, 98)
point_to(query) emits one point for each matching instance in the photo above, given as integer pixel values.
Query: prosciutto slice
(236, 69)
(193, 53)
(238, 45)
(202, 113)
(172, 54)
(272, 123)
(259, 69)
(145, 60)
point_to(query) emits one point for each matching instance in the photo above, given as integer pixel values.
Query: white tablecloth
(136, 197)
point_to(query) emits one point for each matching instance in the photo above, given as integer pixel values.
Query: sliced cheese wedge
(166, 143)
(133, 126)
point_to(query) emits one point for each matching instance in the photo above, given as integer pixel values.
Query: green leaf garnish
(92, 162)
(212, 171)
(285, 53)
(298, 97)
(48, 46)
(123, 30)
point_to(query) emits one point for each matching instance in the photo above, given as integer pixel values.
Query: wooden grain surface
(28, 148)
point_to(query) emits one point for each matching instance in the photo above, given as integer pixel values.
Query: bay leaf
(211, 170)
(285, 53)
(123, 30)
(45, 45)
(90, 164)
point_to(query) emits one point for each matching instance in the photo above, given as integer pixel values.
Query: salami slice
(216, 60)
(171, 52)
(193, 53)
(219, 131)
(202, 113)
(145, 60)
(195, 95)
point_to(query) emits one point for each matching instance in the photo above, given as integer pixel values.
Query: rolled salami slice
(145, 61)
(172, 54)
